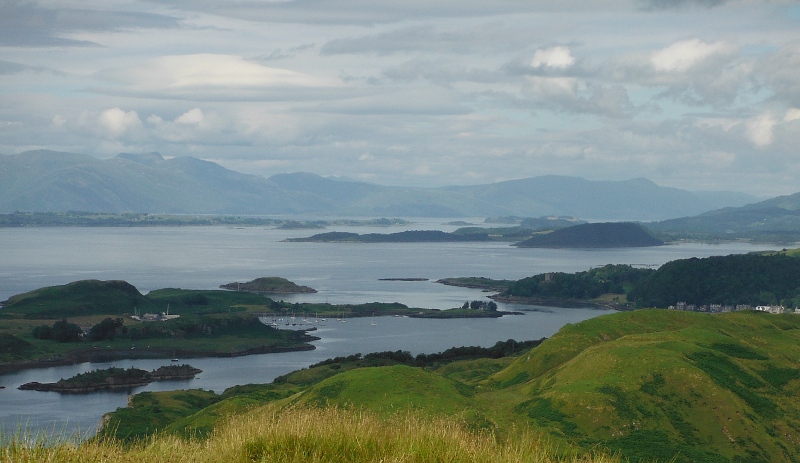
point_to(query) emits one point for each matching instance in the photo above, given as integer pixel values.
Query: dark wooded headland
(721, 282)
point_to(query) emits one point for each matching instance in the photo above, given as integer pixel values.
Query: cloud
(117, 122)
(760, 129)
(682, 56)
(674, 4)
(361, 12)
(193, 116)
(26, 24)
(781, 73)
(204, 76)
(792, 114)
(555, 57)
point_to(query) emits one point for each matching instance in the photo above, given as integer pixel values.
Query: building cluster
(155, 317)
(719, 308)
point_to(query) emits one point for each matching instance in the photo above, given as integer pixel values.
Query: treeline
(609, 279)
(490, 306)
(752, 279)
(185, 327)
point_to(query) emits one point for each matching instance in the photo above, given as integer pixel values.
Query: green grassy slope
(666, 384)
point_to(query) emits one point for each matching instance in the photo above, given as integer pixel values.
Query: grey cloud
(387, 11)
(673, 4)
(610, 101)
(26, 24)
(475, 39)
(7, 67)
(441, 72)
(781, 72)
(10, 67)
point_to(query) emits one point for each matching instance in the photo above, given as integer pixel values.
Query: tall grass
(310, 435)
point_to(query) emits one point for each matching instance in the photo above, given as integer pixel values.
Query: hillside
(649, 384)
(48, 181)
(776, 219)
(595, 235)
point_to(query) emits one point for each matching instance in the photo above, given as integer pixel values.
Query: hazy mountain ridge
(43, 181)
(776, 218)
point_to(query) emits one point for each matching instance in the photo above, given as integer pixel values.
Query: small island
(474, 309)
(411, 236)
(111, 379)
(269, 285)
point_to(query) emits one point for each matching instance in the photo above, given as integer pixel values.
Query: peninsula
(595, 235)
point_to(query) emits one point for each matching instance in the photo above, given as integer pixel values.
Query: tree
(106, 329)
(64, 331)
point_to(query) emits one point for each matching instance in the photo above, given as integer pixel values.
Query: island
(269, 285)
(111, 379)
(411, 236)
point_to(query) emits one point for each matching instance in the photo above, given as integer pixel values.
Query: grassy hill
(86, 297)
(649, 384)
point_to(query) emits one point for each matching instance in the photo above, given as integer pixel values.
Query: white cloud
(760, 129)
(117, 122)
(555, 57)
(682, 56)
(206, 75)
(193, 116)
(792, 114)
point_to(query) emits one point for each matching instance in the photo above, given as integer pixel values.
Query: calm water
(205, 257)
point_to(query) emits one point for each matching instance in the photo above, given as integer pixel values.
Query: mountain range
(49, 181)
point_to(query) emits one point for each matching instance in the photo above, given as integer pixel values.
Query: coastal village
(719, 308)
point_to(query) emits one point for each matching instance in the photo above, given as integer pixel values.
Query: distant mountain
(595, 235)
(44, 181)
(770, 220)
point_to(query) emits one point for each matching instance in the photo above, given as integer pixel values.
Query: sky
(692, 94)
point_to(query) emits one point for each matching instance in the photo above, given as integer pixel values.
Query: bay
(205, 257)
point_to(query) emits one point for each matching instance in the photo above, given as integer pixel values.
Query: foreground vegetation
(313, 435)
